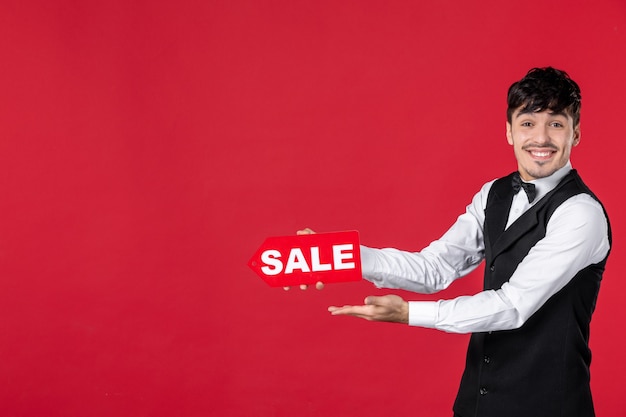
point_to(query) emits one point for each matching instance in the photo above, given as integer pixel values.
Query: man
(545, 250)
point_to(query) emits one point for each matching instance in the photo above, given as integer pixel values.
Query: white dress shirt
(576, 237)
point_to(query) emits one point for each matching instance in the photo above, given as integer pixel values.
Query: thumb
(373, 300)
(388, 300)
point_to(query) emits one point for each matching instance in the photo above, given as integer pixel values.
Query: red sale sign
(306, 259)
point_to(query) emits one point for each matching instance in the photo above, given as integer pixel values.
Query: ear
(509, 135)
(576, 135)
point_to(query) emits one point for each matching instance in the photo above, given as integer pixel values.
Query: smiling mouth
(541, 154)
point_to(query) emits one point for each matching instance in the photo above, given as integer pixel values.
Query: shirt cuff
(423, 313)
(368, 260)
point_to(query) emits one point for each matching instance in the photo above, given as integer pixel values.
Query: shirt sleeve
(458, 252)
(576, 237)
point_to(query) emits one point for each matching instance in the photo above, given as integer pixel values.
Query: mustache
(548, 146)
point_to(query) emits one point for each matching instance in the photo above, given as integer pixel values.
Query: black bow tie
(528, 187)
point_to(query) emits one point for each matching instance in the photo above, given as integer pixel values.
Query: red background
(148, 147)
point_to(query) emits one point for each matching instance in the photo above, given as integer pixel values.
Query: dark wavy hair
(545, 89)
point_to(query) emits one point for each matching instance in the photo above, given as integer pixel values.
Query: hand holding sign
(308, 258)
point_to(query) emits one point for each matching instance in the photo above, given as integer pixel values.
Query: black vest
(542, 368)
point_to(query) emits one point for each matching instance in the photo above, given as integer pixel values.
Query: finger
(333, 309)
(318, 285)
(305, 231)
(357, 311)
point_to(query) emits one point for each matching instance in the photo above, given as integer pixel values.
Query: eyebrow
(529, 111)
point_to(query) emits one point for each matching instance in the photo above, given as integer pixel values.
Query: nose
(542, 135)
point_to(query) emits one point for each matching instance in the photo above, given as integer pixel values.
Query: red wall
(148, 147)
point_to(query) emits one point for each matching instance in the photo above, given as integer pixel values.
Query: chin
(537, 174)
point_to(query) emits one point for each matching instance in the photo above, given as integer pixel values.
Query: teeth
(541, 153)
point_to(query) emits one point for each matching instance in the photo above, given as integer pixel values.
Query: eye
(556, 124)
(526, 124)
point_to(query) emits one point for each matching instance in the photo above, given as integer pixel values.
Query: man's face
(542, 142)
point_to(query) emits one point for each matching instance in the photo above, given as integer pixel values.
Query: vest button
(483, 391)
(487, 359)
(492, 268)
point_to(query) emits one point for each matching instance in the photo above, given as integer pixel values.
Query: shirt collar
(547, 184)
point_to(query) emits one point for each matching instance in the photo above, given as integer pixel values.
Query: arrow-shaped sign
(306, 259)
